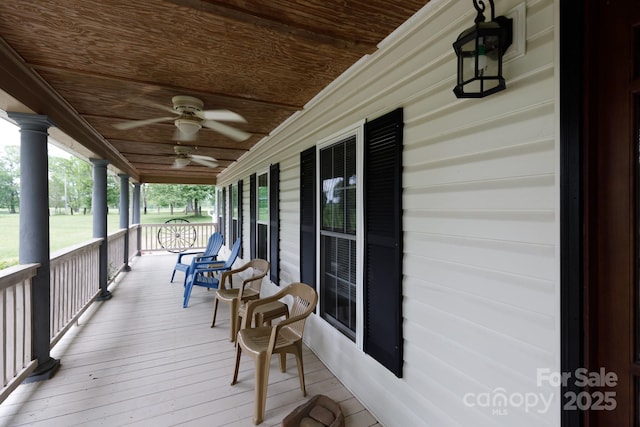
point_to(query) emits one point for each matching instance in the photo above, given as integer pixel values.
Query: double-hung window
(234, 214)
(223, 214)
(340, 236)
(220, 210)
(264, 216)
(262, 220)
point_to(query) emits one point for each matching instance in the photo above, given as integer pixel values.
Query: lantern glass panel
(479, 50)
(479, 56)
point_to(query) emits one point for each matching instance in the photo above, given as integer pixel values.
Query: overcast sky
(10, 135)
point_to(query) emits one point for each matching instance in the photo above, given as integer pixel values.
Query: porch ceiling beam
(25, 85)
(155, 85)
(294, 31)
(132, 147)
(164, 179)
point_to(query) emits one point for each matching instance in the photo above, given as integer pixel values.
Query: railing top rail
(12, 275)
(71, 251)
(195, 224)
(117, 234)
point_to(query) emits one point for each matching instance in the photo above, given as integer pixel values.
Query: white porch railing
(174, 237)
(74, 286)
(115, 253)
(134, 231)
(15, 302)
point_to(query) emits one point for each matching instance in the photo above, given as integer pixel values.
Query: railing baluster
(15, 319)
(3, 354)
(14, 300)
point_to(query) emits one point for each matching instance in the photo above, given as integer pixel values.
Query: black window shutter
(383, 338)
(253, 214)
(241, 254)
(274, 222)
(308, 216)
(223, 229)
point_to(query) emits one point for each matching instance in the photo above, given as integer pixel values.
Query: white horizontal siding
(290, 219)
(480, 223)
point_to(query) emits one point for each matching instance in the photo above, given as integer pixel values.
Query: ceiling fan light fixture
(181, 162)
(188, 127)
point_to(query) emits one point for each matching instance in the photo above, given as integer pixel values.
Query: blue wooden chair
(203, 274)
(210, 254)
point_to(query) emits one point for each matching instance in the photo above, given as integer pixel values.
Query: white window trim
(356, 130)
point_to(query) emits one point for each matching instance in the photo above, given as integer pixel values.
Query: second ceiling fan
(184, 156)
(191, 118)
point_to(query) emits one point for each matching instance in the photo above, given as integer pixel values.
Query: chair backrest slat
(305, 299)
(233, 255)
(215, 243)
(259, 268)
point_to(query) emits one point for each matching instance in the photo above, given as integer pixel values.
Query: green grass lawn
(69, 230)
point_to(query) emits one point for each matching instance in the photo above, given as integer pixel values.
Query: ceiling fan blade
(201, 157)
(233, 133)
(137, 123)
(221, 115)
(204, 162)
(159, 106)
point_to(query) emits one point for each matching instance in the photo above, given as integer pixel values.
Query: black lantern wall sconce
(479, 50)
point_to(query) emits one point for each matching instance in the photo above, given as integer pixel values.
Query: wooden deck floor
(140, 359)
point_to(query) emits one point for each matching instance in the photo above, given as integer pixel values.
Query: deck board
(140, 359)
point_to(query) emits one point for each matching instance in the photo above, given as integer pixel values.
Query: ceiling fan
(191, 118)
(184, 157)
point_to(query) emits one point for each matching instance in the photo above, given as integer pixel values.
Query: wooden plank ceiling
(90, 64)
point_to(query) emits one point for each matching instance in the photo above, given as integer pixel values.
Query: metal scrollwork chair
(248, 290)
(284, 337)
